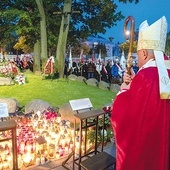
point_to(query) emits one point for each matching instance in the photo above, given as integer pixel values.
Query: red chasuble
(141, 124)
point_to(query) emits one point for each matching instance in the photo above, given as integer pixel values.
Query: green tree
(27, 22)
(20, 20)
(37, 56)
(24, 17)
(22, 45)
(43, 31)
(7, 36)
(62, 41)
(103, 49)
(78, 47)
(125, 47)
(94, 17)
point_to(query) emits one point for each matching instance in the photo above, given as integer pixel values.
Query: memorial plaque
(80, 104)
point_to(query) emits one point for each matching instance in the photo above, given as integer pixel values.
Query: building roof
(98, 39)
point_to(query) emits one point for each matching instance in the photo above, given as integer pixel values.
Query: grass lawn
(56, 92)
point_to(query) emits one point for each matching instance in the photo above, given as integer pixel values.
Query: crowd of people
(109, 71)
(24, 63)
(14, 67)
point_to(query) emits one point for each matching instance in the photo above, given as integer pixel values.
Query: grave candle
(61, 151)
(28, 147)
(51, 150)
(22, 146)
(77, 147)
(9, 157)
(57, 155)
(27, 158)
(71, 144)
(66, 149)
(5, 164)
(1, 166)
(20, 162)
(42, 160)
(3, 154)
(56, 136)
(83, 148)
(62, 141)
(58, 119)
(37, 161)
(38, 114)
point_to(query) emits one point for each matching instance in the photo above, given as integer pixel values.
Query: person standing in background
(90, 69)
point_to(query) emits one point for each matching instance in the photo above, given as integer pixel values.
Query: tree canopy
(23, 18)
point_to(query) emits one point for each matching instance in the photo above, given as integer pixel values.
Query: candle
(20, 162)
(71, 144)
(72, 132)
(37, 161)
(1, 166)
(83, 148)
(61, 151)
(38, 114)
(51, 150)
(33, 146)
(22, 147)
(27, 158)
(9, 157)
(56, 136)
(42, 160)
(77, 147)
(5, 164)
(62, 142)
(45, 153)
(3, 154)
(29, 147)
(66, 150)
(58, 119)
(57, 155)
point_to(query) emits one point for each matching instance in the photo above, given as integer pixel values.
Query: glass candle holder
(51, 151)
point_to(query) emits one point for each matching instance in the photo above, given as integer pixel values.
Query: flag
(81, 56)
(92, 57)
(100, 56)
(123, 61)
(112, 62)
(70, 60)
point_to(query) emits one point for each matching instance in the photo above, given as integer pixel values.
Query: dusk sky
(150, 10)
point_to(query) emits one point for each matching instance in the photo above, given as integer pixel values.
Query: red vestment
(141, 124)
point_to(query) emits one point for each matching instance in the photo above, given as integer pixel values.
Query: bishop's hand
(127, 79)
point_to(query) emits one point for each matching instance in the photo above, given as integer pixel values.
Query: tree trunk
(37, 58)
(61, 46)
(43, 32)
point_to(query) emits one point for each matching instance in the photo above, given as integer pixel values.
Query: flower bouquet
(20, 78)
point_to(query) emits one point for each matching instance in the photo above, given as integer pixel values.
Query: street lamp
(127, 34)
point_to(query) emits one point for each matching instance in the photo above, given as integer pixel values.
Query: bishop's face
(142, 57)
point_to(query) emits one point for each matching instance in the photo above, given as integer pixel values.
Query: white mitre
(154, 37)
